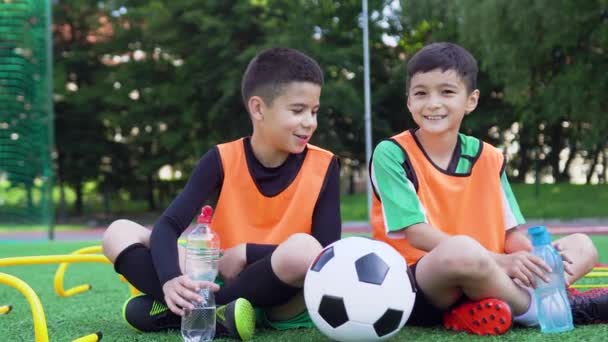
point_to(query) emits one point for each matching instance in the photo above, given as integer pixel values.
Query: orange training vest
(458, 205)
(244, 215)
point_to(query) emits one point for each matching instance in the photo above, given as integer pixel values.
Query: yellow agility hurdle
(597, 275)
(52, 259)
(40, 330)
(4, 309)
(60, 275)
(597, 272)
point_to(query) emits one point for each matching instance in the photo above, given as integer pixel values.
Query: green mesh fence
(26, 115)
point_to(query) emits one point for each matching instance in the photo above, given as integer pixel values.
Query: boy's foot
(488, 316)
(590, 306)
(145, 314)
(235, 319)
(571, 291)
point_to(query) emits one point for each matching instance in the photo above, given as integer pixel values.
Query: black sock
(256, 251)
(258, 284)
(135, 264)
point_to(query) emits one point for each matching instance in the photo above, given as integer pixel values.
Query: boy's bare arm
(424, 236)
(519, 262)
(516, 241)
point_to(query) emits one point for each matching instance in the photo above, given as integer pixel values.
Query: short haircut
(271, 70)
(444, 56)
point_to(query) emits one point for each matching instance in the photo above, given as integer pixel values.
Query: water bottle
(202, 254)
(554, 313)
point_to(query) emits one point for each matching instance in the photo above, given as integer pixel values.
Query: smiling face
(438, 101)
(286, 124)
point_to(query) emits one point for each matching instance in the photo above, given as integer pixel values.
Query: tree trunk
(564, 176)
(106, 197)
(351, 182)
(605, 169)
(61, 207)
(30, 197)
(150, 194)
(78, 204)
(596, 155)
(524, 159)
(556, 148)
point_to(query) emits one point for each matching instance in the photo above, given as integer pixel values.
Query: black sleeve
(257, 251)
(205, 180)
(326, 220)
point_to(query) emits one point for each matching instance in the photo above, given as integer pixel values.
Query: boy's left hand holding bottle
(181, 291)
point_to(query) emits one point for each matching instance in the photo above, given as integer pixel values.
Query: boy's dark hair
(444, 56)
(274, 68)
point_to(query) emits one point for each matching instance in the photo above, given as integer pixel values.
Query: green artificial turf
(100, 308)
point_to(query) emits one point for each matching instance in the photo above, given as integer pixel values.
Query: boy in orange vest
(278, 205)
(442, 199)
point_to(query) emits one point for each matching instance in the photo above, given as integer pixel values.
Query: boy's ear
(256, 108)
(472, 101)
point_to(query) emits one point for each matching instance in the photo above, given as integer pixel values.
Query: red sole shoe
(488, 316)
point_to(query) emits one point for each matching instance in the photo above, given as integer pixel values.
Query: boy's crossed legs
(459, 267)
(272, 282)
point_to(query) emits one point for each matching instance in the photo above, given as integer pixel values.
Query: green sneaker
(145, 314)
(236, 320)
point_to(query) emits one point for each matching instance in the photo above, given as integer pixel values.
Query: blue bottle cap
(539, 235)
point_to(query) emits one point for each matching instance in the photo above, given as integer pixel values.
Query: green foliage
(158, 82)
(547, 59)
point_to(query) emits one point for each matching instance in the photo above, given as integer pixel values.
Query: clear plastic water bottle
(554, 313)
(202, 254)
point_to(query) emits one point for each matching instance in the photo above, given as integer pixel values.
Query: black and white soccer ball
(359, 289)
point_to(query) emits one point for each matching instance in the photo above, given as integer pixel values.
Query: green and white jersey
(396, 185)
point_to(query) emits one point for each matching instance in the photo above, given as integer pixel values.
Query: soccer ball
(359, 289)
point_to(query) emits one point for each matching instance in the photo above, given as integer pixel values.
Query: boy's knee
(465, 258)
(115, 228)
(119, 235)
(585, 245)
(292, 258)
(304, 244)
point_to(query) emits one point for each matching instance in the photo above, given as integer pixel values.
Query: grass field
(100, 308)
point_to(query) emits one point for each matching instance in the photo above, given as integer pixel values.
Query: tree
(550, 72)
(80, 134)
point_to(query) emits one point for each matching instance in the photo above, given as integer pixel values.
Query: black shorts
(424, 313)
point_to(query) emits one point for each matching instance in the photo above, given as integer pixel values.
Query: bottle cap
(539, 235)
(205, 216)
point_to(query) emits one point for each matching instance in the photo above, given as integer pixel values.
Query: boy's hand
(524, 267)
(181, 291)
(233, 262)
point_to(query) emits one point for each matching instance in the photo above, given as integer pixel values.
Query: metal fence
(26, 114)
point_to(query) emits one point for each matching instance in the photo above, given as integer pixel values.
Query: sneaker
(590, 306)
(571, 291)
(235, 319)
(488, 316)
(145, 314)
